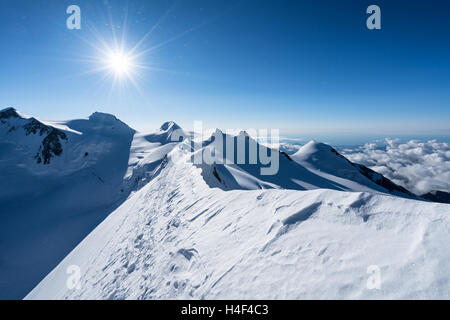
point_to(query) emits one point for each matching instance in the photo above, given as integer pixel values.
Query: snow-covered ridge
(315, 165)
(177, 238)
(98, 164)
(306, 172)
(322, 158)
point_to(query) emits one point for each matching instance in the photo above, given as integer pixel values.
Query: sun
(125, 63)
(119, 63)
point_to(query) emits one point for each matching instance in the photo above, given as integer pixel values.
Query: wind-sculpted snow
(178, 238)
(187, 228)
(58, 180)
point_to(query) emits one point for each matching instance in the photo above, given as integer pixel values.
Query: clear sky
(307, 66)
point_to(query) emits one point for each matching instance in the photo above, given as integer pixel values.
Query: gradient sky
(302, 66)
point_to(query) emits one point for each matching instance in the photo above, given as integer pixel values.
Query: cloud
(288, 145)
(418, 166)
(289, 148)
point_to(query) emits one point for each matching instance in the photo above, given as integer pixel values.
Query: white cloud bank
(418, 166)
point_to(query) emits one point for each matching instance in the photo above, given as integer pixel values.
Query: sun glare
(124, 65)
(119, 63)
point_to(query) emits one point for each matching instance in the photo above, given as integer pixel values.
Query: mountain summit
(325, 161)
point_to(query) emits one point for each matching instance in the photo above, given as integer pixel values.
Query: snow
(142, 221)
(324, 161)
(178, 238)
(314, 166)
(46, 210)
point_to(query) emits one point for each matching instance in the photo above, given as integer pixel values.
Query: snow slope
(179, 238)
(60, 179)
(314, 166)
(326, 162)
(51, 200)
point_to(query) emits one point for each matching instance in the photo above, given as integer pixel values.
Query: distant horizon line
(288, 134)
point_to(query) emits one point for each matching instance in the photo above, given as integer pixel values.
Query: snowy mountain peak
(325, 160)
(314, 146)
(8, 113)
(218, 131)
(322, 154)
(104, 123)
(41, 142)
(102, 116)
(165, 133)
(244, 133)
(169, 126)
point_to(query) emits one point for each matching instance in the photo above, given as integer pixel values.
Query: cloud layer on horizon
(420, 167)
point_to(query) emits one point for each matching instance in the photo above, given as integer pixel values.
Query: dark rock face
(382, 181)
(437, 196)
(169, 125)
(286, 155)
(341, 156)
(51, 146)
(216, 174)
(8, 113)
(376, 177)
(34, 126)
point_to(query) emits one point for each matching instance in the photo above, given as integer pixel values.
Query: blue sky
(306, 67)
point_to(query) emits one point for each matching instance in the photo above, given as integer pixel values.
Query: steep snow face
(325, 161)
(147, 154)
(58, 180)
(178, 238)
(229, 173)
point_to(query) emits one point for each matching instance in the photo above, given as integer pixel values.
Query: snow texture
(178, 238)
(142, 221)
